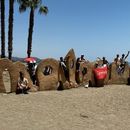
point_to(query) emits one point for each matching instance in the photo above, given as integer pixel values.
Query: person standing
(34, 73)
(123, 62)
(64, 67)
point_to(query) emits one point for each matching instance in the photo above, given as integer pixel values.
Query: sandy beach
(105, 108)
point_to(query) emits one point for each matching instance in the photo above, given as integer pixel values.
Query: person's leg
(25, 90)
(60, 87)
(18, 91)
(34, 79)
(66, 72)
(119, 70)
(122, 68)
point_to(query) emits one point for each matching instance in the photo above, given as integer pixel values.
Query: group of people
(22, 86)
(63, 65)
(121, 62)
(101, 62)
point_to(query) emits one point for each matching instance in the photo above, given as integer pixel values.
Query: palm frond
(23, 2)
(22, 8)
(43, 10)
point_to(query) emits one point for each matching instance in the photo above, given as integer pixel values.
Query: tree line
(23, 6)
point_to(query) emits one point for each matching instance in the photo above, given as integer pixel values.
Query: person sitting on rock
(22, 85)
(47, 70)
(101, 62)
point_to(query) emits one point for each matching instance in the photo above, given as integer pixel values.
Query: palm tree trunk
(10, 27)
(2, 28)
(30, 33)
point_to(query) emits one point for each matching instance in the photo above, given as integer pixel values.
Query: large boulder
(47, 81)
(85, 75)
(13, 69)
(7, 65)
(115, 77)
(71, 65)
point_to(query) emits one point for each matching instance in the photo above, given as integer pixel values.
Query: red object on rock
(100, 73)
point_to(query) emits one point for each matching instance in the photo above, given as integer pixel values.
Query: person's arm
(23, 84)
(19, 84)
(26, 83)
(127, 54)
(99, 58)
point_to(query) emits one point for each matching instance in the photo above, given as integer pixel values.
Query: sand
(105, 108)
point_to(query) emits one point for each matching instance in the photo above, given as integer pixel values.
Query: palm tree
(32, 5)
(2, 5)
(10, 29)
(0, 16)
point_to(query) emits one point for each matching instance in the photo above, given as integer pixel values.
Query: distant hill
(17, 59)
(22, 59)
(14, 59)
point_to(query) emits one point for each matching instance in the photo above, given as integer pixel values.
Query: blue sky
(95, 28)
